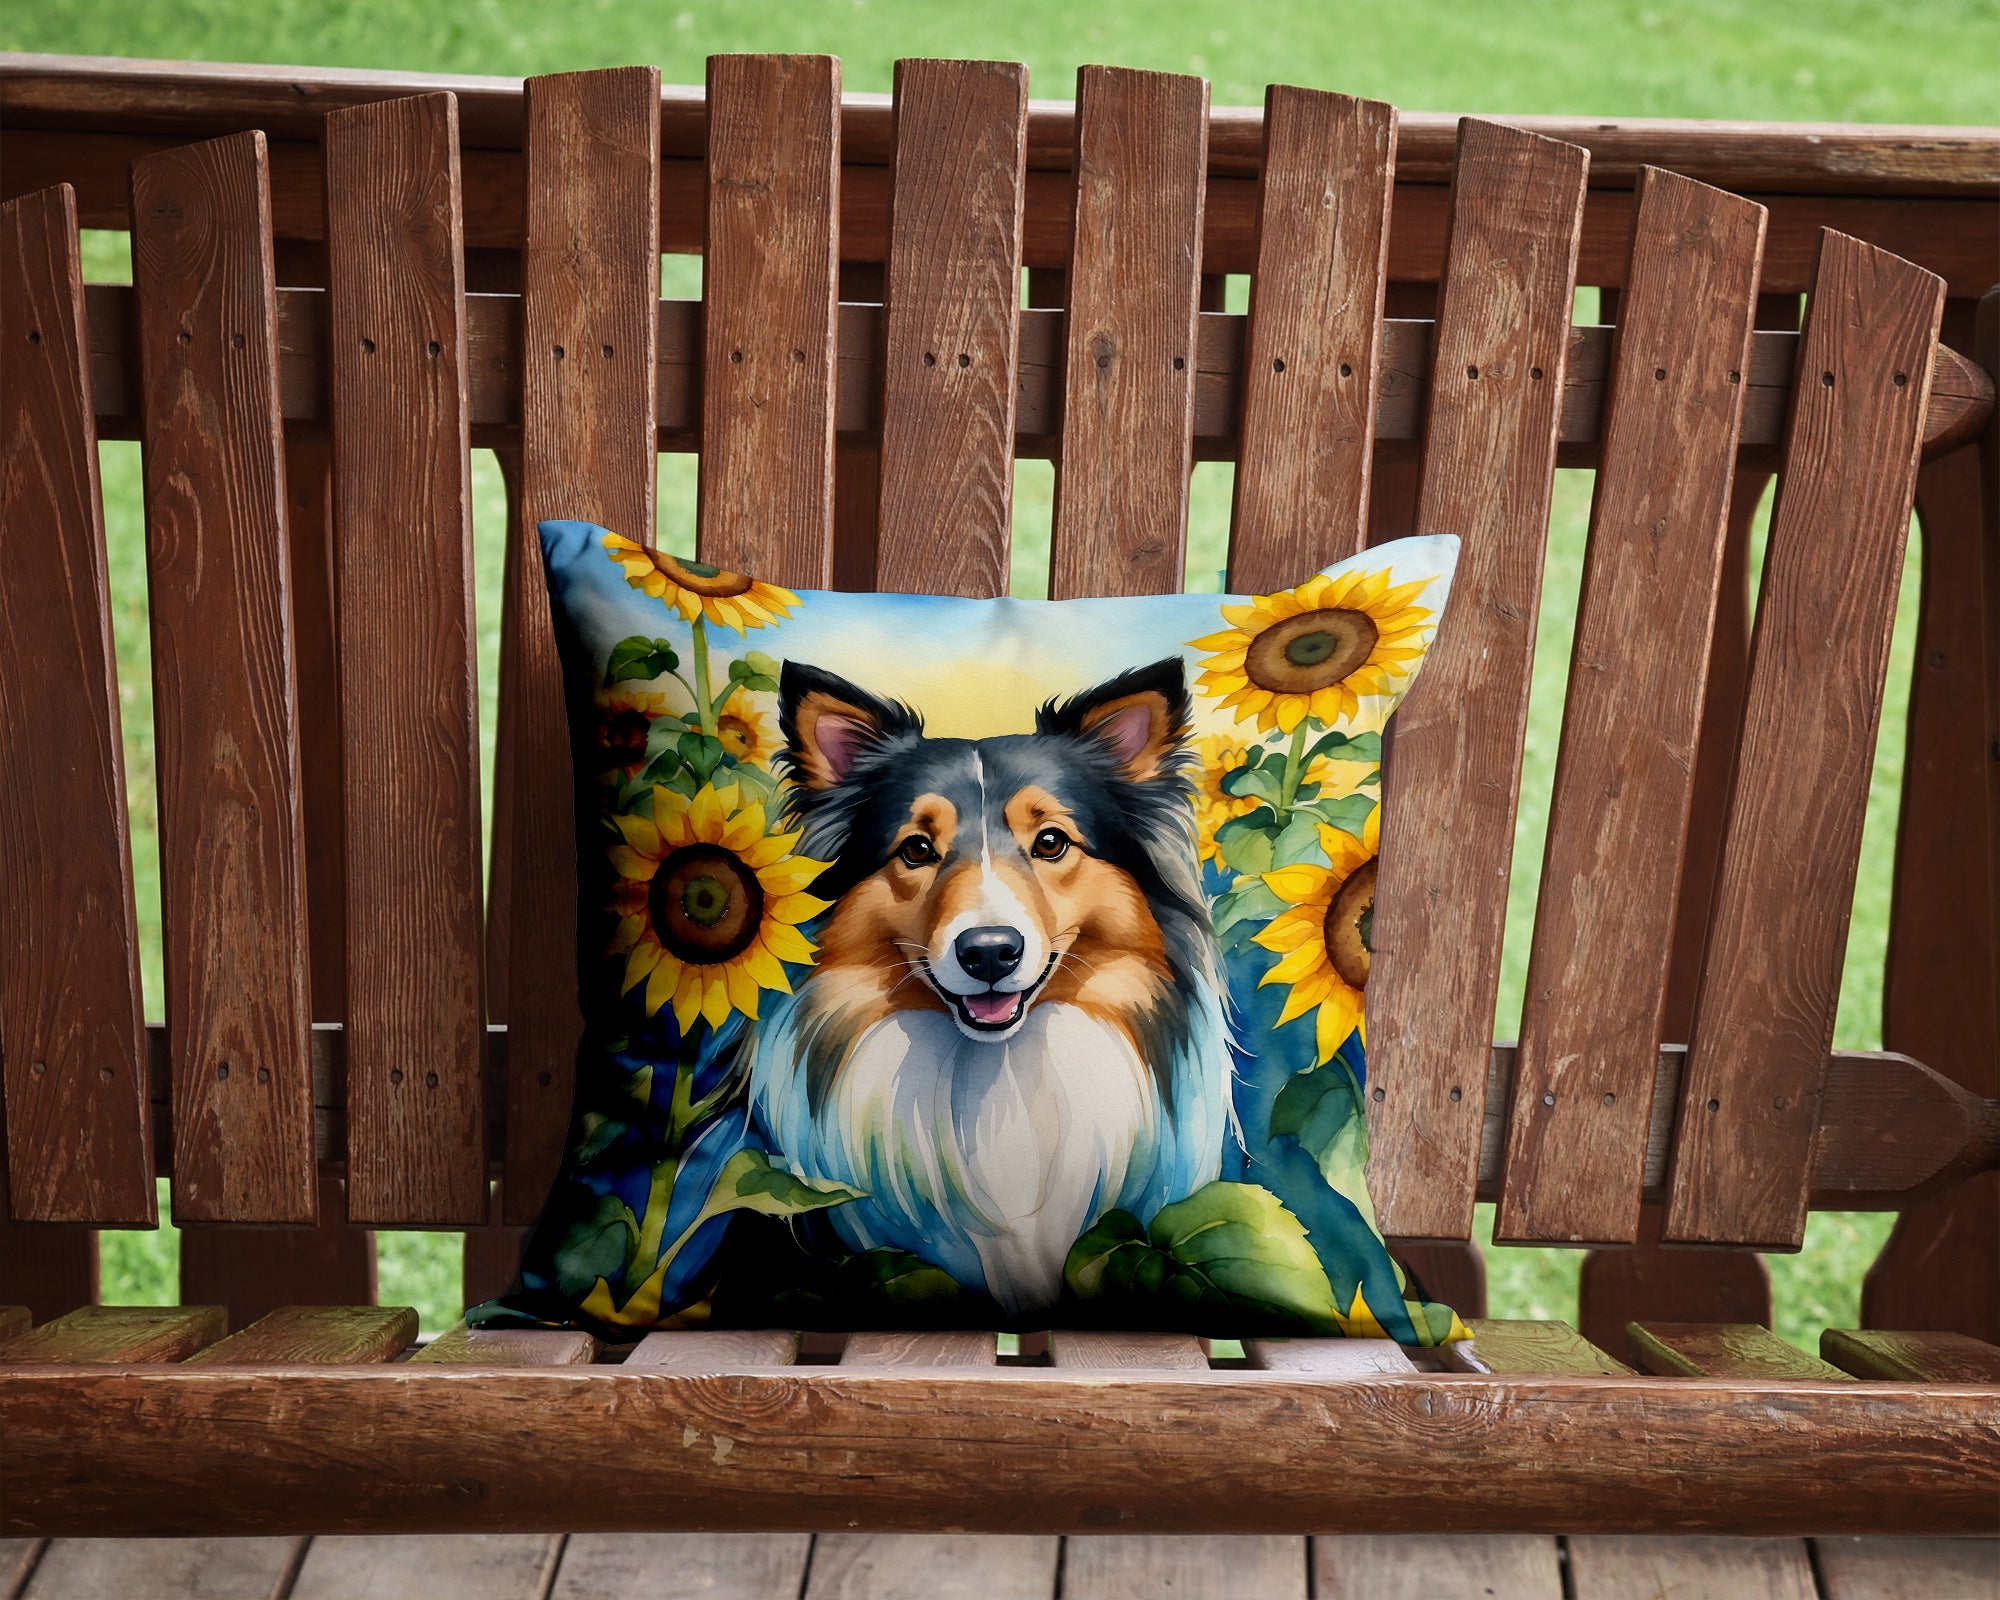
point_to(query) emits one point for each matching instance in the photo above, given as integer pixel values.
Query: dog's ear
(829, 724)
(1140, 716)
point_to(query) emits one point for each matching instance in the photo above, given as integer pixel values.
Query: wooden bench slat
(769, 281)
(1125, 1566)
(1907, 1569)
(1455, 763)
(1508, 1347)
(920, 1350)
(14, 1320)
(1913, 1357)
(1721, 1350)
(98, 1335)
(409, 696)
(716, 1349)
(47, 1267)
(1314, 338)
(951, 326)
(488, 1566)
(1143, 1352)
(724, 1566)
(1129, 348)
(77, 1131)
(164, 1569)
(1616, 1566)
(1750, 1097)
(461, 1346)
(1345, 1358)
(255, 1271)
(933, 1566)
(590, 333)
(232, 867)
(1597, 971)
(318, 1334)
(1370, 1566)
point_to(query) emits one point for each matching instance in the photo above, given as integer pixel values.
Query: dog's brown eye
(1050, 844)
(916, 851)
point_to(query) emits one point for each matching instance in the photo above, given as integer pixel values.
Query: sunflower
(744, 730)
(1323, 935)
(1315, 649)
(708, 904)
(696, 589)
(625, 721)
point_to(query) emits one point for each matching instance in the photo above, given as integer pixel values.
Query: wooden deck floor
(671, 1566)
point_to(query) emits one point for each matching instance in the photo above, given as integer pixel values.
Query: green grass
(1857, 60)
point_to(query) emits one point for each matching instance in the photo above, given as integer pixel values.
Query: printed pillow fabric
(974, 963)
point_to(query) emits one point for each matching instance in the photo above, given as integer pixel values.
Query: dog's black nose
(988, 954)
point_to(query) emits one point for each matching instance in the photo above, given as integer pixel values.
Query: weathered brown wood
(1914, 1357)
(1365, 1566)
(93, 1335)
(14, 1320)
(1489, 464)
(1647, 1281)
(716, 1349)
(769, 350)
(316, 1334)
(1619, 1566)
(951, 322)
(1329, 1358)
(590, 330)
(716, 1566)
(1764, 1017)
(1597, 971)
(1721, 1350)
(492, 1566)
(1987, 344)
(1907, 1569)
(1129, 334)
(49, 1267)
(1139, 1352)
(1220, 1567)
(919, 1350)
(165, 1569)
(77, 1133)
(409, 700)
(232, 869)
(492, 1253)
(1314, 337)
(509, 1347)
(253, 1271)
(933, 1566)
(414, 1448)
(1509, 1348)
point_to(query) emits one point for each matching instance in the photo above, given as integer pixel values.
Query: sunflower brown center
(706, 904)
(623, 736)
(700, 578)
(1350, 921)
(737, 736)
(1311, 651)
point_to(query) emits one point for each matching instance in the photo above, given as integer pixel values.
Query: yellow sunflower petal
(766, 968)
(629, 863)
(795, 908)
(772, 847)
(687, 997)
(787, 943)
(660, 986)
(789, 875)
(626, 935)
(715, 999)
(642, 959)
(1339, 1013)
(1303, 960)
(1296, 883)
(747, 825)
(706, 814)
(640, 834)
(742, 987)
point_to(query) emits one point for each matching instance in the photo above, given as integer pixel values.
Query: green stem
(703, 700)
(1294, 762)
(659, 1194)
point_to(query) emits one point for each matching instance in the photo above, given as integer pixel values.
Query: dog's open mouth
(992, 1011)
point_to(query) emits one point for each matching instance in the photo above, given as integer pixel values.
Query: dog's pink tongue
(992, 1006)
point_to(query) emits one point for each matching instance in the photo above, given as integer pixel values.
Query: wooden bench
(339, 286)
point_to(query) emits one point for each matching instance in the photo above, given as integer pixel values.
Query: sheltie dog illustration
(1016, 1019)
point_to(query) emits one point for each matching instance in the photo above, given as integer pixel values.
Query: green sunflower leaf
(1263, 782)
(1349, 813)
(639, 658)
(747, 674)
(1321, 1108)
(1347, 747)
(1238, 1241)
(1298, 841)
(596, 1246)
(1250, 900)
(1244, 843)
(700, 754)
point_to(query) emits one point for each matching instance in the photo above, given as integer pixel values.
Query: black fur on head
(837, 737)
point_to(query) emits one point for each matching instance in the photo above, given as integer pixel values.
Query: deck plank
(932, 1566)
(510, 1347)
(1914, 1357)
(1908, 1569)
(682, 1566)
(118, 1334)
(316, 1334)
(1128, 1566)
(1369, 1566)
(1641, 1566)
(164, 1569)
(441, 1566)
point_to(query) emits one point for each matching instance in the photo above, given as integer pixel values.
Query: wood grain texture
(933, 1566)
(1452, 1272)
(232, 866)
(920, 1350)
(94, 1335)
(1916, 1357)
(1331, 1358)
(1721, 1350)
(14, 1320)
(1510, 1348)
(1455, 763)
(166, 1569)
(460, 1346)
(589, 344)
(409, 696)
(77, 1129)
(769, 280)
(1129, 334)
(1363, 1566)
(1648, 1281)
(1597, 969)
(951, 323)
(49, 1267)
(1314, 337)
(716, 1349)
(1216, 1567)
(254, 1271)
(1138, 1352)
(316, 1334)
(1637, 1566)
(411, 1447)
(490, 1566)
(492, 1254)
(1764, 1018)
(1908, 1569)
(682, 1566)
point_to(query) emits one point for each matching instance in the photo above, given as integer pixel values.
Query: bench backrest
(306, 462)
